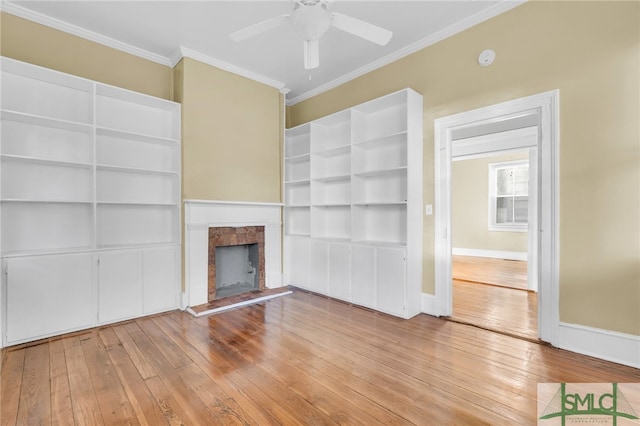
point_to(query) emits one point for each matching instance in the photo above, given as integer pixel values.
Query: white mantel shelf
(241, 203)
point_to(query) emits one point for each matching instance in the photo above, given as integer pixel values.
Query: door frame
(546, 105)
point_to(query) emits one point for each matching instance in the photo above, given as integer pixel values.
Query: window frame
(492, 196)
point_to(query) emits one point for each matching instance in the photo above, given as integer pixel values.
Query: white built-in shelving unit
(353, 204)
(89, 203)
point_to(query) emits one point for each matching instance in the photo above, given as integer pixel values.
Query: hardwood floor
(500, 272)
(505, 310)
(297, 359)
(491, 294)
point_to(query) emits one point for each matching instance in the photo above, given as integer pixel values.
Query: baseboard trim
(429, 304)
(184, 300)
(494, 254)
(607, 345)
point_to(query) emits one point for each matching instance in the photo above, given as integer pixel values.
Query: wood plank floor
(297, 359)
(491, 293)
(500, 272)
(505, 310)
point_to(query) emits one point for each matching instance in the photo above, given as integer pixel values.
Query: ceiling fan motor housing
(309, 2)
(310, 19)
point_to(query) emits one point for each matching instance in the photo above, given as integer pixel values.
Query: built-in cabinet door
(391, 267)
(160, 278)
(49, 295)
(339, 271)
(297, 265)
(120, 284)
(318, 269)
(363, 275)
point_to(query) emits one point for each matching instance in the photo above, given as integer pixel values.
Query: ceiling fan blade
(259, 28)
(362, 29)
(311, 54)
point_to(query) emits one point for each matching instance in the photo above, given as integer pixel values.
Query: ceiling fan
(311, 19)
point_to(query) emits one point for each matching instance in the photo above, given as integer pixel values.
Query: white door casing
(545, 105)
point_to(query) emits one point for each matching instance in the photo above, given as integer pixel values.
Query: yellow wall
(231, 136)
(591, 52)
(40, 45)
(470, 207)
(231, 144)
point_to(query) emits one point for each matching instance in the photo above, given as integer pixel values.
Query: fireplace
(236, 260)
(236, 270)
(202, 215)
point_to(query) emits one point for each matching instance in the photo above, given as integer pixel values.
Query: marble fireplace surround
(200, 215)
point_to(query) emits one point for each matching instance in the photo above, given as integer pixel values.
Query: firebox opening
(236, 269)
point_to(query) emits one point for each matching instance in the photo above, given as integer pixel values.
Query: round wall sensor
(486, 58)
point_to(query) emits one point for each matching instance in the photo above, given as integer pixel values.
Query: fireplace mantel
(200, 215)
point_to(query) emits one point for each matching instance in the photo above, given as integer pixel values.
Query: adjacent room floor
(492, 294)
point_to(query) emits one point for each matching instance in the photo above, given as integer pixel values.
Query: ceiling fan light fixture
(311, 21)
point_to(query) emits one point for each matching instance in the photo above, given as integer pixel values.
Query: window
(509, 196)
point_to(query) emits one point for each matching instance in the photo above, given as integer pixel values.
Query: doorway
(475, 132)
(491, 212)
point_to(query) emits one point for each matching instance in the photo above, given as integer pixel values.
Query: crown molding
(449, 31)
(23, 12)
(175, 57)
(183, 52)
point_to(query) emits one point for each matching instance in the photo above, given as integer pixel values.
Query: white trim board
(48, 21)
(493, 254)
(183, 52)
(429, 304)
(603, 344)
(242, 203)
(606, 345)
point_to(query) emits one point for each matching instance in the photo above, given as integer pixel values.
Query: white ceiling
(165, 31)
